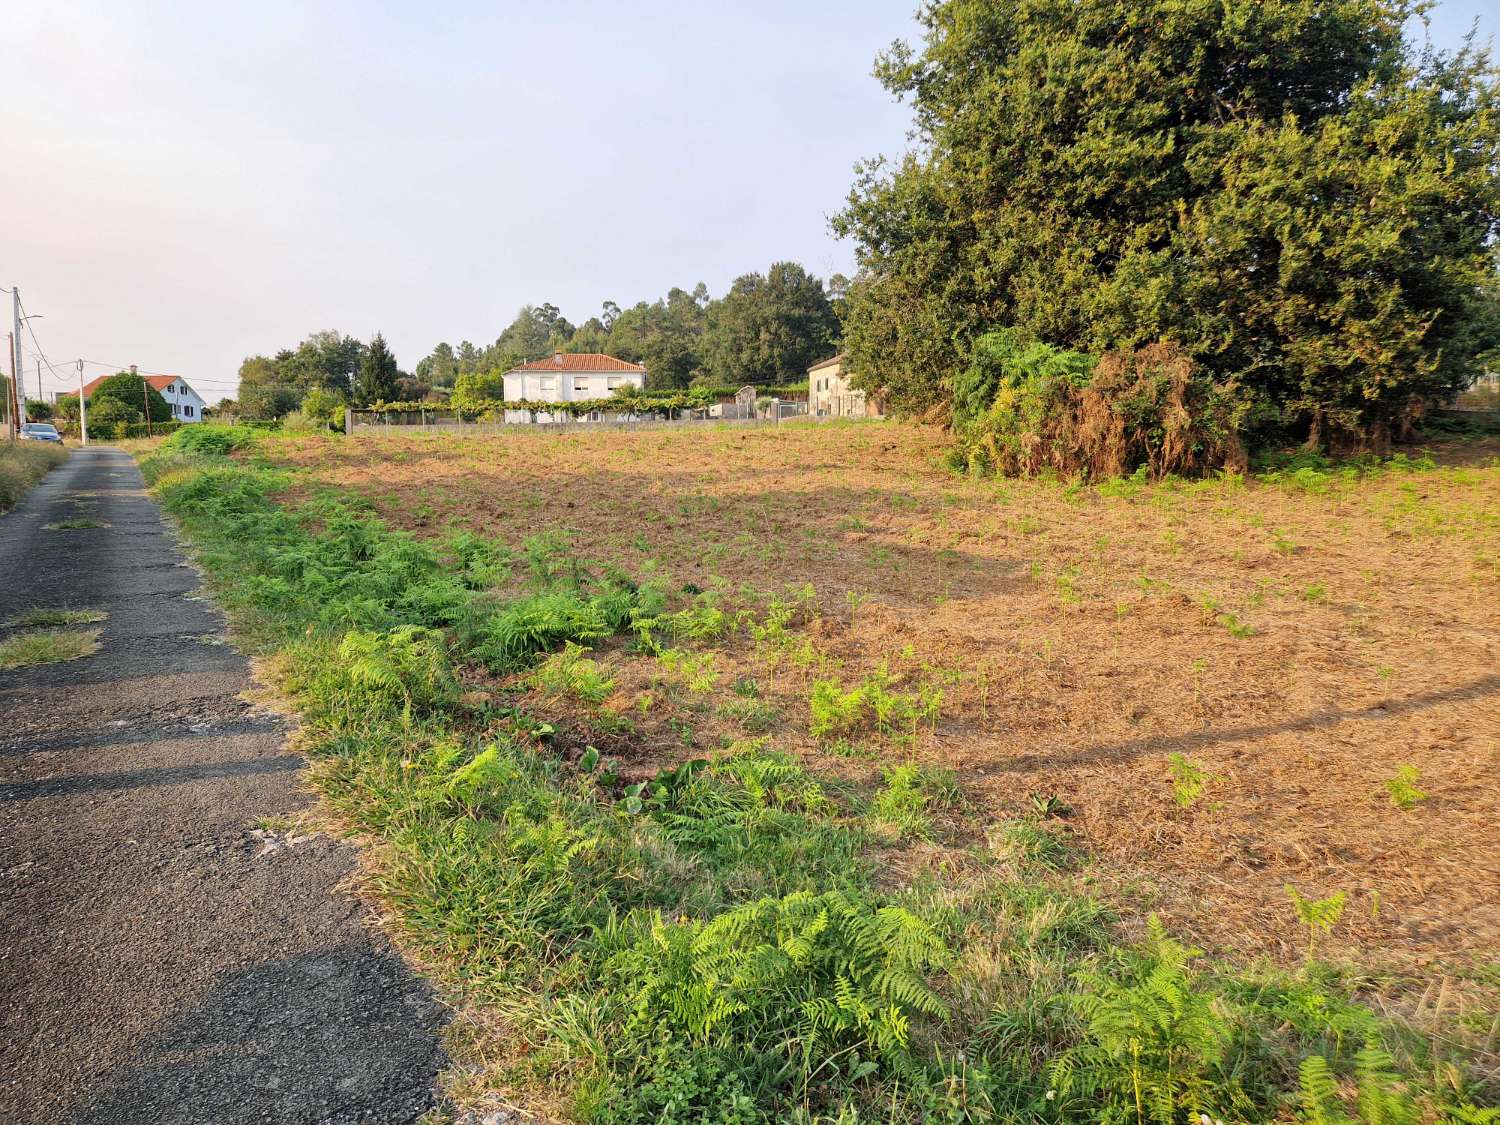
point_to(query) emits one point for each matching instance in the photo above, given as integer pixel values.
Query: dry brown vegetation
(1297, 641)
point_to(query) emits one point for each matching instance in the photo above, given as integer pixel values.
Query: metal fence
(442, 418)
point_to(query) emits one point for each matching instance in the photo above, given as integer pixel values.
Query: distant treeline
(766, 331)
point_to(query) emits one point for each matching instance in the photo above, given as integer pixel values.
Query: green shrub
(569, 672)
(1026, 408)
(209, 439)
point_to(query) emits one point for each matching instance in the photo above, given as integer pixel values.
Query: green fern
(1403, 789)
(1319, 1093)
(1319, 915)
(1154, 1042)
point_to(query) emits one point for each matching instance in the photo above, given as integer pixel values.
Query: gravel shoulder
(162, 958)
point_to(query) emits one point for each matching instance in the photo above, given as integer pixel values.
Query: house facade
(568, 377)
(187, 404)
(831, 395)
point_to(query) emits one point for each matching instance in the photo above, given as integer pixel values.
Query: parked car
(40, 431)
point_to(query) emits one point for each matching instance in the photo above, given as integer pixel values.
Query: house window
(549, 385)
(171, 388)
(614, 381)
(580, 385)
(187, 411)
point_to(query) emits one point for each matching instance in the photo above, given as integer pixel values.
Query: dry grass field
(1215, 685)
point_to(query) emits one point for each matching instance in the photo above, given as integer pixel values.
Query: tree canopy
(326, 361)
(766, 330)
(770, 329)
(133, 393)
(1287, 191)
(378, 376)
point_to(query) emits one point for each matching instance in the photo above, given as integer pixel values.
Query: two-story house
(568, 377)
(831, 393)
(187, 405)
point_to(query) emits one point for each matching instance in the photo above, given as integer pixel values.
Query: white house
(568, 377)
(831, 394)
(187, 405)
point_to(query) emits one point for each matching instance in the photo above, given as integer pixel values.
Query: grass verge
(22, 464)
(732, 939)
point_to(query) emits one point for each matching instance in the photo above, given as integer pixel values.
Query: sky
(185, 185)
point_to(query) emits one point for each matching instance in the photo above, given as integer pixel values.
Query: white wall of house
(568, 386)
(185, 402)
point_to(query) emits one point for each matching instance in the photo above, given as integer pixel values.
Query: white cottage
(568, 377)
(187, 405)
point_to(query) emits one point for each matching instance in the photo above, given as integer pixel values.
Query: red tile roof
(578, 361)
(160, 382)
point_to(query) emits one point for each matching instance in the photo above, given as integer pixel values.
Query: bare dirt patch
(1296, 642)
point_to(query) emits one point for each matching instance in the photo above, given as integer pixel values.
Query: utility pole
(145, 399)
(83, 409)
(39, 397)
(16, 363)
(10, 388)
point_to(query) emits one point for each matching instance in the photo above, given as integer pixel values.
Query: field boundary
(352, 426)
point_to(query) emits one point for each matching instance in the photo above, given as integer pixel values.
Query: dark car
(40, 431)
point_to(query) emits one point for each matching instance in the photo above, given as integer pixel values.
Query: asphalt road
(162, 959)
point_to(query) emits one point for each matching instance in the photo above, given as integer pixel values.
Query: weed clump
(48, 646)
(209, 439)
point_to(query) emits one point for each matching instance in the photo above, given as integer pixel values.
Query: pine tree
(377, 374)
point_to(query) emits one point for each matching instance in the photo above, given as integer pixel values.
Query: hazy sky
(187, 184)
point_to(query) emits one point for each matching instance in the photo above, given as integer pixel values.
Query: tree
(264, 393)
(590, 336)
(666, 336)
(133, 393)
(38, 411)
(440, 368)
(109, 416)
(537, 331)
(1285, 190)
(378, 373)
(325, 359)
(478, 391)
(769, 329)
(470, 359)
(325, 406)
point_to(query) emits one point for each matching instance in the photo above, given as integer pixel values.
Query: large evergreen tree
(377, 374)
(1284, 188)
(769, 329)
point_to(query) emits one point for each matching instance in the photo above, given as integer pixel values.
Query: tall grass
(722, 942)
(22, 464)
